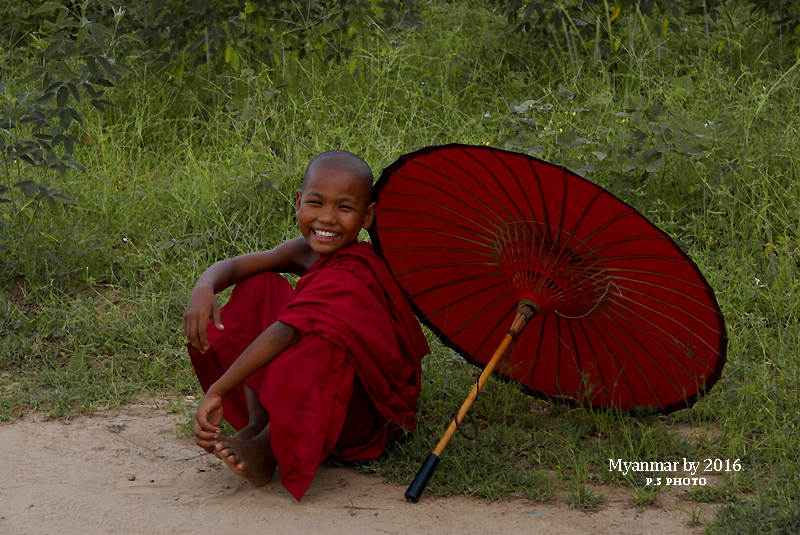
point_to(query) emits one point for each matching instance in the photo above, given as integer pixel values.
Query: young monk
(328, 370)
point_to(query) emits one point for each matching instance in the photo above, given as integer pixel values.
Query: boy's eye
(345, 207)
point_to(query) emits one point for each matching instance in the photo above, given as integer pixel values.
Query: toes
(236, 466)
(231, 460)
(224, 453)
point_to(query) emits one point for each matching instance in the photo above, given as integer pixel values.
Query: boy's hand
(202, 307)
(207, 420)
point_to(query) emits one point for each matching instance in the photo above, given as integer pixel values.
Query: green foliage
(234, 33)
(755, 516)
(590, 22)
(36, 129)
(634, 141)
(581, 496)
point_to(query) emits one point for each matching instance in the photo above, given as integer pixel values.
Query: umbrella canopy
(624, 318)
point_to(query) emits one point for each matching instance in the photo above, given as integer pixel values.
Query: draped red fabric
(348, 385)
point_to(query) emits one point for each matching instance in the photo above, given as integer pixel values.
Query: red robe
(348, 384)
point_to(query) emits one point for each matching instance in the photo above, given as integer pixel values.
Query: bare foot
(251, 459)
(247, 432)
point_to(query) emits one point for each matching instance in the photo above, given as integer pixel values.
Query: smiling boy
(327, 370)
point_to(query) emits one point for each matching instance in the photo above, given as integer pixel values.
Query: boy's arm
(294, 256)
(272, 342)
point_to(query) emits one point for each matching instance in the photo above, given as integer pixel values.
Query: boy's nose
(328, 216)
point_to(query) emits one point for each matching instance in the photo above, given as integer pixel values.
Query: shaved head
(342, 160)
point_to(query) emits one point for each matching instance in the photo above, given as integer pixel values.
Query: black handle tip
(416, 487)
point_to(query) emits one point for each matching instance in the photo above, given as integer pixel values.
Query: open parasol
(485, 242)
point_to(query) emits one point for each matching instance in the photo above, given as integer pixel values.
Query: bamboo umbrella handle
(414, 490)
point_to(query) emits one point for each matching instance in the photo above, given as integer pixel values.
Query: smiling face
(333, 206)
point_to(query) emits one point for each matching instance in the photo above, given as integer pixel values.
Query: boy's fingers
(205, 440)
(206, 437)
(203, 429)
(198, 338)
(208, 449)
(202, 338)
(215, 313)
(191, 331)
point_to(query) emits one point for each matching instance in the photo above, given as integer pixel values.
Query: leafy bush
(755, 516)
(215, 33)
(631, 144)
(586, 25)
(36, 130)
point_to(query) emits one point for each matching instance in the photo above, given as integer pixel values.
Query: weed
(581, 496)
(695, 516)
(644, 494)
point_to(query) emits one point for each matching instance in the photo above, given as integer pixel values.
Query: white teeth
(325, 234)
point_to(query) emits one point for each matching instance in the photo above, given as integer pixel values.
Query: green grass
(189, 172)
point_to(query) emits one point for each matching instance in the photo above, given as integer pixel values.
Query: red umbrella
(483, 240)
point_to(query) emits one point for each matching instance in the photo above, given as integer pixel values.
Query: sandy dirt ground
(127, 471)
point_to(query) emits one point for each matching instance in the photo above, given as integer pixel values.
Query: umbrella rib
(436, 218)
(572, 233)
(449, 264)
(668, 289)
(664, 303)
(642, 256)
(670, 353)
(619, 242)
(680, 345)
(613, 357)
(563, 201)
(575, 353)
(589, 206)
(582, 242)
(625, 348)
(457, 183)
(656, 273)
(454, 236)
(541, 197)
(653, 358)
(582, 327)
(666, 316)
(497, 181)
(476, 315)
(519, 184)
(529, 380)
(558, 356)
(477, 181)
(452, 249)
(464, 297)
(604, 225)
(491, 331)
(455, 281)
(445, 192)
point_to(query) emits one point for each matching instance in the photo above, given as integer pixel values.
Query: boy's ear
(297, 202)
(369, 215)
